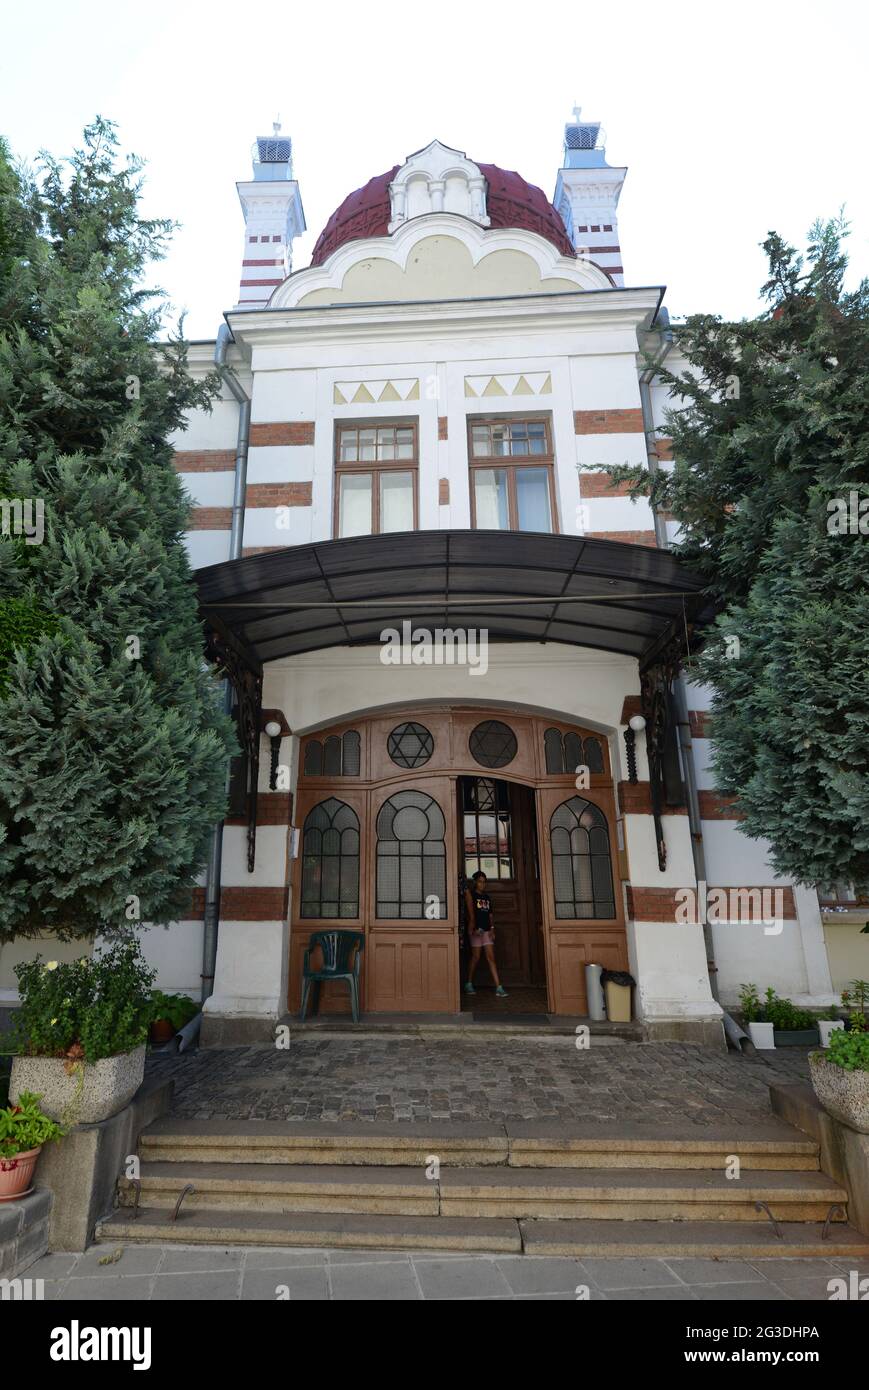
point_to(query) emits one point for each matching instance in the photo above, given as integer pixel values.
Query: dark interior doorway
(498, 834)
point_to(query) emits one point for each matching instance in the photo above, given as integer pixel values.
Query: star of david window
(410, 745)
(493, 744)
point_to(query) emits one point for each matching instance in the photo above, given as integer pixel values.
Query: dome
(510, 202)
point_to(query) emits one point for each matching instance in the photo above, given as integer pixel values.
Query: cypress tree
(114, 743)
(771, 448)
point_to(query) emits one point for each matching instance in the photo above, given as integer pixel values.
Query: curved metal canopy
(520, 586)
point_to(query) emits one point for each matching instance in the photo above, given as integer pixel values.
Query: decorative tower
(587, 194)
(273, 218)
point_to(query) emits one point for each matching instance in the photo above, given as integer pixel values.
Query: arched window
(330, 861)
(338, 757)
(593, 755)
(411, 858)
(554, 751)
(581, 863)
(572, 752)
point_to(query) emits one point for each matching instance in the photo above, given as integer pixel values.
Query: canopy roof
(520, 586)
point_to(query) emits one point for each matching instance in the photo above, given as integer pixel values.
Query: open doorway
(498, 835)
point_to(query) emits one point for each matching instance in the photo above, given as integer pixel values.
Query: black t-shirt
(482, 912)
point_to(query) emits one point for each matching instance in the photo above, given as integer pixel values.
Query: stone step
(706, 1239)
(532, 1144)
(313, 1229)
(613, 1194)
(709, 1239)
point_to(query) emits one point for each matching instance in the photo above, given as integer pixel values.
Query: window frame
(373, 468)
(545, 462)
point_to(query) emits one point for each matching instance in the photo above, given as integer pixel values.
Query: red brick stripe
(664, 448)
(243, 283)
(262, 262)
(443, 491)
(260, 549)
(245, 904)
(282, 432)
(626, 537)
(700, 721)
(599, 485)
(210, 519)
(272, 808)
(442, 427)
(279, 494)
(635, 798)
(204, 460)
(713, 806)
(660, 904)
(608, 421)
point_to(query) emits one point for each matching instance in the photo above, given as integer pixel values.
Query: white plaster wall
(206, 547)
(210, 489)
(176, 953)
(274, 526)
(280, 463)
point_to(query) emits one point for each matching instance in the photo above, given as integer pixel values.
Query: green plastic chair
(337, 947)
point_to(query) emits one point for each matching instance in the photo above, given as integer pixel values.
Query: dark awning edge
(520, 586)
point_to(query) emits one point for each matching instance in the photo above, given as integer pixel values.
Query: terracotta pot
(162, 1031)
(16, 1173)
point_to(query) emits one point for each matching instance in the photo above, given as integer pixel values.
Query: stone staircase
(546, 1189)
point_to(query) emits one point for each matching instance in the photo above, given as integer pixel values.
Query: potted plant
(840, 1077)
(168, 1013)
(854, 1000)
(760, 1032)
(828, 1025)
(792, 1027)
(24, 1128)
(79, 1033)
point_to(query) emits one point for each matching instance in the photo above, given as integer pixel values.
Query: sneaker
(469, 988)
(500, 992)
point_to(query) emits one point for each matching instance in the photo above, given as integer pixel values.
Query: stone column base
(707, 1031)
(230, 1029)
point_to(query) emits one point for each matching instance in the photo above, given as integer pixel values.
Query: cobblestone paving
(147, 1273)
(492, 1080)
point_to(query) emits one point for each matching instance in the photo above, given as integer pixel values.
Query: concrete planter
(85, 1096)
(843, 1094)
(796, 1037)
(827, 1026)
(761, 1035)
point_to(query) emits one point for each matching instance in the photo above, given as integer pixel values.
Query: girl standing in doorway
(481, 932)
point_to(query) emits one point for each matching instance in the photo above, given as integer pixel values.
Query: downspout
(735, 1035)
(215, 855)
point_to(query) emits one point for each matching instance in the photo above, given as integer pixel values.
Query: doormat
(489, 1016)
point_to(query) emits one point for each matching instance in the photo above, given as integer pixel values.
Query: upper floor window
(375, 479)
(511, 475)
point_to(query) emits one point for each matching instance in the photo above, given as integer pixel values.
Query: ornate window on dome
(335, 756)
(493, 744)
(512, 484)
(411, 875)
(330, 861)
(375, 479)
(582, 872)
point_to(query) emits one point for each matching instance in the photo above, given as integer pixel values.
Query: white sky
(732, 118)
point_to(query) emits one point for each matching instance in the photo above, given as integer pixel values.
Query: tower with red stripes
(273, 218)
(587, 195)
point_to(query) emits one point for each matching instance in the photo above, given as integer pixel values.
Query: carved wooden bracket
(243, 670)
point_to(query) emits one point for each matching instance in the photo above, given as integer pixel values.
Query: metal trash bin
(617, 986)
(594, 992)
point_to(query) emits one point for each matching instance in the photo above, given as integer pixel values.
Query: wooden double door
(498, 834)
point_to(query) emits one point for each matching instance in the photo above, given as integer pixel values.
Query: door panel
(515, 899)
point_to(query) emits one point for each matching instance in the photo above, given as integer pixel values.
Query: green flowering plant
(848, 1050)
(176, 1009)
(24, 1126)
(86, 1009)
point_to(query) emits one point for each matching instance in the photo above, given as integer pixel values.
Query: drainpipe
(215, 854)
(735, 1035)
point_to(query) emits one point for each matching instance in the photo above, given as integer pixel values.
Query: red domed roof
(510, 202)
